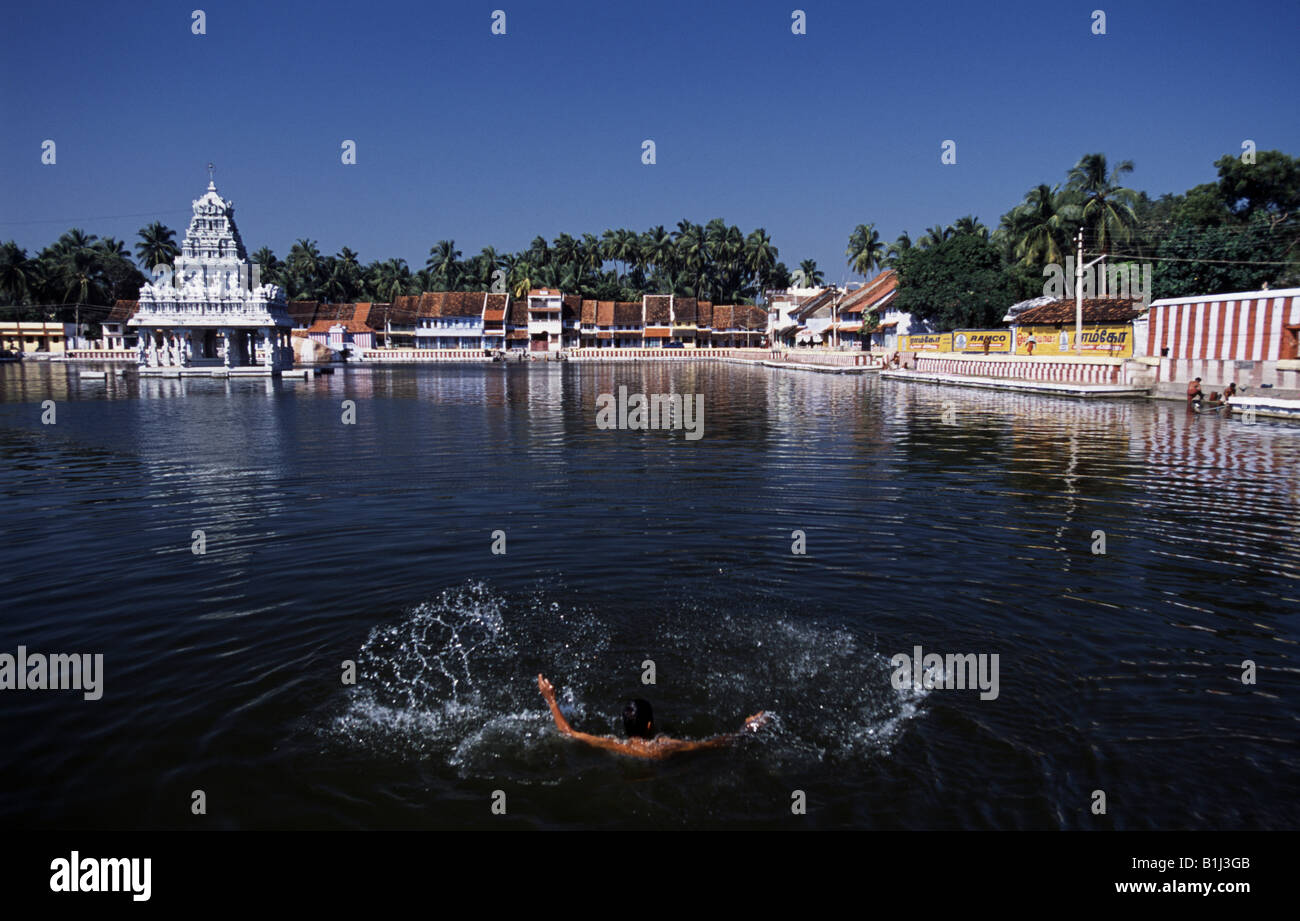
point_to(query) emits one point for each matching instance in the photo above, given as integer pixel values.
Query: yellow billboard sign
(1113, 341)
(928, 342)
(982, 340)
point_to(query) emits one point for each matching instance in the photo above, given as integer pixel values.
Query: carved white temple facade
(209, 312)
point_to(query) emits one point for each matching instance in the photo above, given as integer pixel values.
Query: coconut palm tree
(538, 252)
(1108, 208)
(969, 226)
(444, 264)
(564, 251)
(157, 246)
(1040, 228)
(895, 251)
(760, 256)
(866, 250)
(392, 280)
(593, 253)
(609, 245)
(657, 248)
(73, 239)
(306, 265)
(81, 269)
(692, 255)
(808, 275)
(264, 258)
(934, 236)
(15, 273)
(489, 263)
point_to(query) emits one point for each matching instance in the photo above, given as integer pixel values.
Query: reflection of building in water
(35, 336)
(1219, 451)
(209, 314)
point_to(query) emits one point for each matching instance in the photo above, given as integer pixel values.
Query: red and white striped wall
(1225, 327)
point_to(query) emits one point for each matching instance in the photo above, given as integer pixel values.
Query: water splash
(454, 681)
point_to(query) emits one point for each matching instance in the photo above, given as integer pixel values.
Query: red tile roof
(352, 326)
(751, 317)
(402, 313)
(811, 306)
(121, 312)
(627, 313)
(1095, 310)
(866, 297)
(494, 313)
(517, 313)
(588, 313)
(605, 313)
(657, 309)
(303, 313)
(684, 311)
(446, 304)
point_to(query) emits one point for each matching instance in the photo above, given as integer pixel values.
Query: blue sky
(495, 139)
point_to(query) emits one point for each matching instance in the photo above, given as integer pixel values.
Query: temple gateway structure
(209, 314)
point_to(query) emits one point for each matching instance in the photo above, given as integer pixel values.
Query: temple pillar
(228, 347)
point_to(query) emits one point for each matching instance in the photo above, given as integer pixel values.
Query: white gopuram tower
(209, 311)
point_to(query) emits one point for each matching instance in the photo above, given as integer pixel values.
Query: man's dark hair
(638, 719)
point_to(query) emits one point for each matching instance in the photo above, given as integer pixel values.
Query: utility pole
(1079, 269)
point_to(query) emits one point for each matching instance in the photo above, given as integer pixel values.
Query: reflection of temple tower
(209, 312)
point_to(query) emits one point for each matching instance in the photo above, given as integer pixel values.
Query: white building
(780, 307)
(209, 311)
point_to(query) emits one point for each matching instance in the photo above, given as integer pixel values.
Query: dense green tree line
(1237, 234)
(76, 269)
(714, 261)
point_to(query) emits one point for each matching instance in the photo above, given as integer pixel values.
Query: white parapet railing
(1060, 368)
(408, 355)
(580, 354)
(101, 354)
(665, 354)
(848, 358)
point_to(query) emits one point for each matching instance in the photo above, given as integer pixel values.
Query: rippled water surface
(372, 543)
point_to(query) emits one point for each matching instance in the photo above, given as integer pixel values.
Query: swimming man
(638, 721)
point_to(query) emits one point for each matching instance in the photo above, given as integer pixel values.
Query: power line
(102, 217)
(1155, 258)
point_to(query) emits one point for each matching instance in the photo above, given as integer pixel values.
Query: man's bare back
(656, 748)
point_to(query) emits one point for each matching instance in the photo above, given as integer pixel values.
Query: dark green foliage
(959, 283)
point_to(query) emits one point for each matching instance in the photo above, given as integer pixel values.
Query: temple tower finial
(211, 182)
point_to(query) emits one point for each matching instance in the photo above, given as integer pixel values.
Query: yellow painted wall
(1112, 340)
(929, 342)
(973, 340)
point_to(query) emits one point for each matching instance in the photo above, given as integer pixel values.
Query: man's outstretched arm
(548, 692)
(752, 724)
